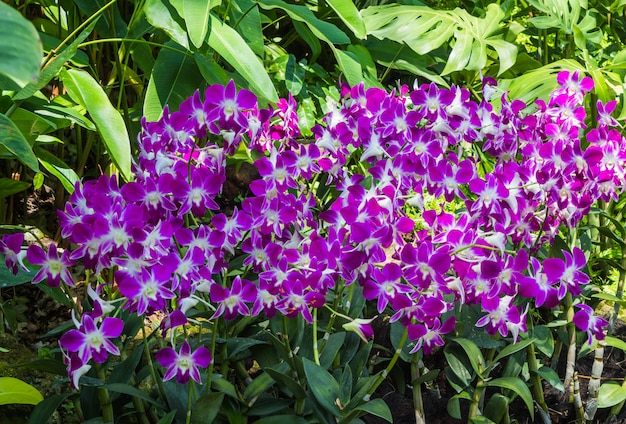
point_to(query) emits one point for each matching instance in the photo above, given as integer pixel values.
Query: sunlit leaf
(197, 20)
(53, 67)
(87, 92)
(425, 29)
(349, 14)
(519, 387)
(611, 393)
(21, 52)
(15, 391)
(13, 140)
(174, 78)
(229, 44)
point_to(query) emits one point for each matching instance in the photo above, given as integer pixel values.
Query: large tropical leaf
(21, 52)
(174, 77)
(234, 49)
(538, 83)
(323, 30)
(565, 15)
(424, 29)
(349, 14)
(89, 93)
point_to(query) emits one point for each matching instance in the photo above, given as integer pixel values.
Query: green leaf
(131, 391)
(519, 387)
(538, 83)
(206, 408)
(14, 391)
(47, 365)
(349, 14)
(7, 279)
(87, 92)
(9, 186)
(21, 53)
(611, 393)
(497, 407)
(376, 407)
(425, 29)
(473, 354)
(325, 31)
(58, 168)
(168, 419)
(279, 375)
(331, 349)
(615, 342)
(511, 349)
(324, 387)
(234, 49)
(551, 377)
(174, 78)
(281, 419)
(52, 68)
(544, 341)
(13, 140)
(260, 384)
(46, 408)
(162, 15)
(197, 20)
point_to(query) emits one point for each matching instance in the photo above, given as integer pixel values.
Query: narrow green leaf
(324, 387)
(58, 168)
(281, 419)
(127, 389)
(87, 92)
(229, 44)
(473, 354)
(15, 391)
(345, 385)
(260, 384)
(52, 68)
(13, 140)
(162, 15)
(376, 407)
(512, 348)
(174, 78)
(331, 349)
(46, 408)
(611, 393)
(349, 14)
(9, 186)
(21, 52)
(197, 20)
(551, 377)
(206, 408)
(168, 419)
(615, 342)
(285, 381)
(325, 31)
(47, 365)
(519, 387)
(312, 41)
(544, 341)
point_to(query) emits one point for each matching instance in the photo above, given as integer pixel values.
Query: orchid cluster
(333, 214)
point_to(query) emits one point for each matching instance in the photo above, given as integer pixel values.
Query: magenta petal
(72, 340)
(166, 357)
(112, 327)
(36, 255)
(202, 357)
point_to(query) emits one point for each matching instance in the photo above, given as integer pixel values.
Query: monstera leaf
(424, 29)
(566, 15)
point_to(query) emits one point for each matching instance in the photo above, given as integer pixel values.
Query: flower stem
(534, 377)
(103, 396)
(316, 353)
(418, 403)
